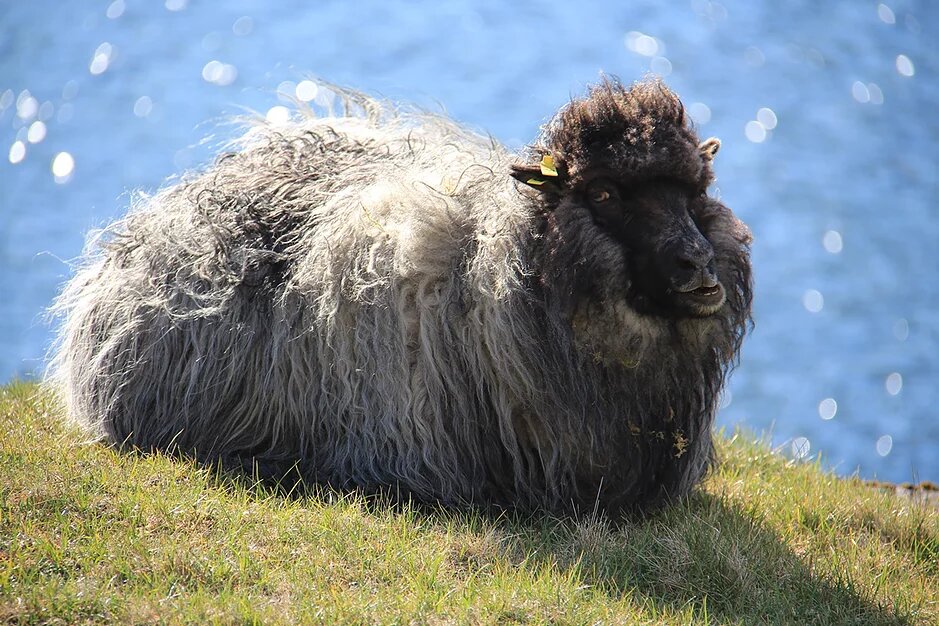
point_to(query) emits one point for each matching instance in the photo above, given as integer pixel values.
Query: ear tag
(534, 181)
(547, 166)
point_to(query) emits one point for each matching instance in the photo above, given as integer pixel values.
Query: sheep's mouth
(702, 301)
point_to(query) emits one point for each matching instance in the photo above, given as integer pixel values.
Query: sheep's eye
(601, 191)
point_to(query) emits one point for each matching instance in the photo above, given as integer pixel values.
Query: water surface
(827, 113)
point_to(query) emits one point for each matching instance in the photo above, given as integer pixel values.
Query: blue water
(828, 113)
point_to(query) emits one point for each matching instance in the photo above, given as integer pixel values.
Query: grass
(89, 535)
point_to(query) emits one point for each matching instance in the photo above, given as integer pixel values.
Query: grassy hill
(89, 535)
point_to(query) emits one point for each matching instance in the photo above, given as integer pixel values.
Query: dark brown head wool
(377, 298)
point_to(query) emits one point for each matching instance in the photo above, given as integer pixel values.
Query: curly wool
(373, 297)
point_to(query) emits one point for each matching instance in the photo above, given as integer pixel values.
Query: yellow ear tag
(534, 181)
(547, 166)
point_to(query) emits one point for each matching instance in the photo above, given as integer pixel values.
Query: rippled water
(827, 112)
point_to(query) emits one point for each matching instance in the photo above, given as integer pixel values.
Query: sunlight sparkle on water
(212, 42)
(727, 398)
(102, 59)
(243, 26)
(755, 131)
(813, 301)
(885, 14)
(46, 111)
(754, 56)
(286, 90)
(143, 106)
(860, 92)
(115, 9)
(70, 90)
(17, 152)
(901, 329)
(660, 66)
(65, 113)
(801, 447)
(884, 445)
(644, 44)
(306, 90)
(894, 383)
(827, 409)
(36, 133)
(26, 106)
(767, 117)
(62, 167)
(699, 112)
(905, 65)
(832, 242)
(219, 73)
(278, 115)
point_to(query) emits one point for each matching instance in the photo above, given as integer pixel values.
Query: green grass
(89, 535)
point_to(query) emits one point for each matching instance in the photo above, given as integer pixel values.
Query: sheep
(385, 300)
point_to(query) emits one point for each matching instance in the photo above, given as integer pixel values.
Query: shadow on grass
(703, 552)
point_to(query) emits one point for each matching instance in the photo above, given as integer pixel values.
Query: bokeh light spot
(832, 242)
(767, 117)
(62, 167)
(115, 9)
(661, 66)
(827, 409)
(905, 65)
(754, 56)
(901, 329)
(211, 42)
(801, 447)
(143, 106)
(70, 90)
(243, 26)
(860, 92)
(643, 44)
(65, 113)
(101, 59)
(894, 383)
(17, 152)
(306, 90)
(884, 445)
(46, 111)
(36, 132)
(26, 106)
(278, 115)
(755, 131)
(219, 73)
(813, 301)
(699, 112)
(885, 14)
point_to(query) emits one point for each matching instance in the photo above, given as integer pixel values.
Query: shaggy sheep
(373, 298)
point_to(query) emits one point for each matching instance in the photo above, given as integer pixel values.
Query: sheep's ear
(542, 176)
(708, 148)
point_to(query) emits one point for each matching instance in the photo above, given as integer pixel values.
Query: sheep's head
(623, 179)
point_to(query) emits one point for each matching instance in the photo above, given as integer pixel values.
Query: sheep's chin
(614, 332)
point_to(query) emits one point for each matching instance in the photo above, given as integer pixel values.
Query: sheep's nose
(695, 259)
(694, 268)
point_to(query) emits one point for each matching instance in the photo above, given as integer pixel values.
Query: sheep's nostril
(687, 264)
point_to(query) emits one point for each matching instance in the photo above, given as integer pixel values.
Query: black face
(671, 263)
